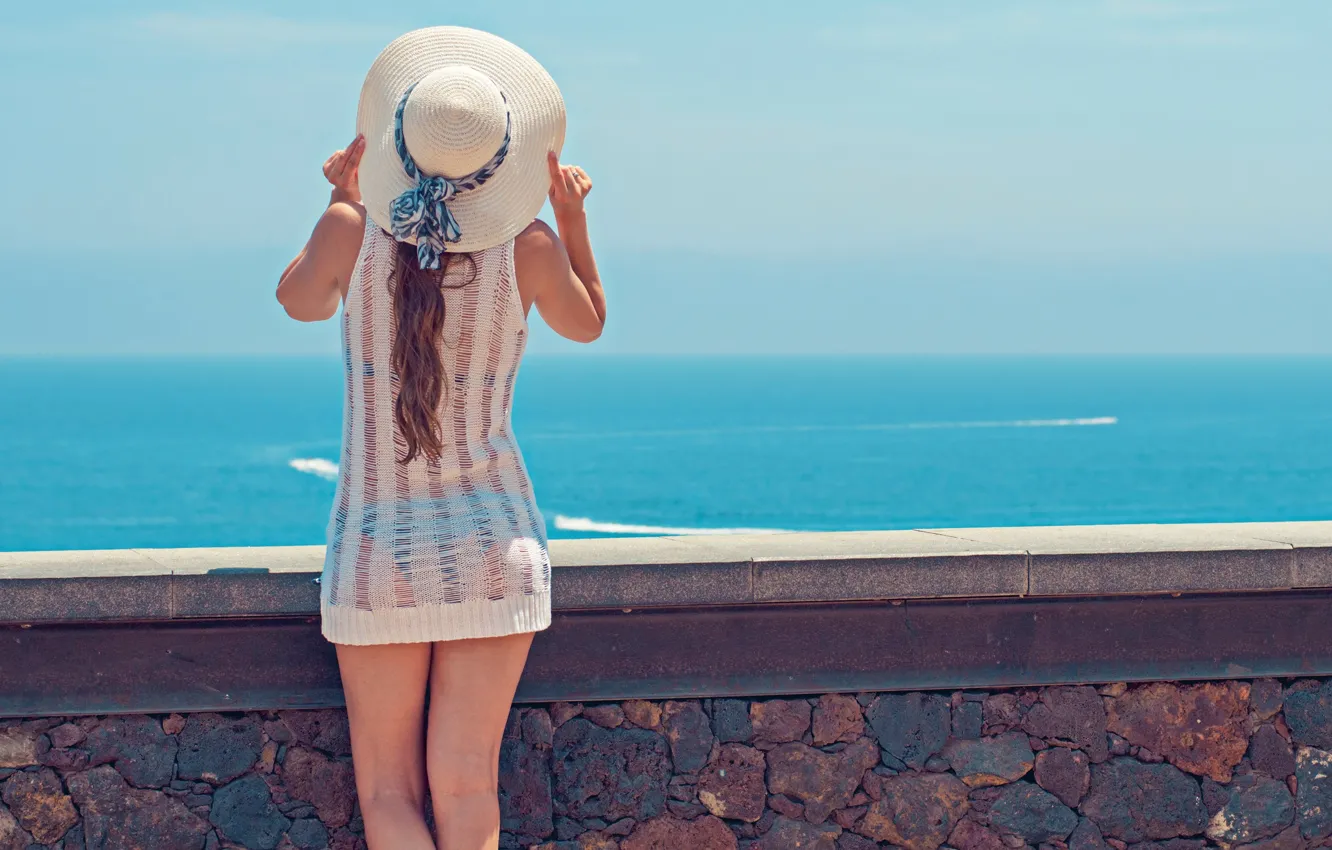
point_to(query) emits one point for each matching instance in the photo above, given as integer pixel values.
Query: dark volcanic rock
(118, 817)
(732, 785)
(244, 812)
(682, 788)
(837, 718)
(688, 811)
(1201, 729)
(41, 805)
(1075, 715)
(647, 715)
(536, 728)
(967, 720)
(526, 805)
(1031, 813)
(990, 761)
(1270, 753)
(970, 835)
(778, 721)
(730, 721)
(1265, 698)
(1290, 839)
(916, 812)
(609, 773)
(324, 729)
(1001, 712)
(608, 715)
(19, 747)
(1064, 773)
(216, 749)
(308, 834)
(1134, 802)
(672, 833)
(1171, 844)
(851, 841)
(621, 827)
(688, 732)
(12, 836)
(1257, 807)
(821, 781)
(1086, 836)
(562, 712)
(1309, 714)
(785, 806)
(1214, 796)
(910, 727)
(74, 839)
(595, 840)
(567, 829)
(327, 784)
(136, 744)
(345, 839)
(66, 735)
(65, 760)
(1313, 796)
(846, 818)
(788, 834)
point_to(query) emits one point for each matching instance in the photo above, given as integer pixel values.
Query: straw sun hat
(457, 124)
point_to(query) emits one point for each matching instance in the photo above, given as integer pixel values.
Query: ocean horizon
(151, 452)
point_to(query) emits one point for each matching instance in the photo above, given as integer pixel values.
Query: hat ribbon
(422, 212)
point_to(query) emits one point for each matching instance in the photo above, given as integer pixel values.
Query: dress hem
(441, 622)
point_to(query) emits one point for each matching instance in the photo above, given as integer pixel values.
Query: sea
(104, 453)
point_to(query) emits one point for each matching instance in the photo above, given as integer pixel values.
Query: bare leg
(472, 683)
(386, 687)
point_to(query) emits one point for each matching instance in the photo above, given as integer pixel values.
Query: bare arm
(317, 278)
(558, 273)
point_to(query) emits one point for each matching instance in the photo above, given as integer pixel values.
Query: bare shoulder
(537, 242)
(343, 218)
(337, 237)
(539, 259)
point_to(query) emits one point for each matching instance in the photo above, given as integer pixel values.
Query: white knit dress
(434, 550)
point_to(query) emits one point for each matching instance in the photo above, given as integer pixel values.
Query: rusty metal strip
(740, 651)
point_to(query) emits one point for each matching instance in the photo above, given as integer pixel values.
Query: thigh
(472, 683)
(385, 688)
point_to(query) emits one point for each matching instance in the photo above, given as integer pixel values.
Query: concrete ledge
(1214, 557)
(185, 584)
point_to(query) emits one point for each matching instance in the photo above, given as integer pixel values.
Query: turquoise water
(224, 452)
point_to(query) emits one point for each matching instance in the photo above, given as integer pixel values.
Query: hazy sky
(1062, 176)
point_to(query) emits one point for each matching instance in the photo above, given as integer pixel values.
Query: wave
(885, 426)
(1061, 423)
(325, 469)
(571, 523)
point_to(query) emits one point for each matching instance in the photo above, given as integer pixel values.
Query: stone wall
(1155, 767)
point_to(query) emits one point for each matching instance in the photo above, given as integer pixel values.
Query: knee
(459, 774)
(390, 796)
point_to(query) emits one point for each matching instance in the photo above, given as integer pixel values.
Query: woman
(437, 573)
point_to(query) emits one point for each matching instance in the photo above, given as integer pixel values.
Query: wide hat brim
(498, 210)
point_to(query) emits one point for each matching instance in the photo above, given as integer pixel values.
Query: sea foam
(325, 469)
(573, 523)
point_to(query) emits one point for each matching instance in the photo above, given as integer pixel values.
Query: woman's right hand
(342, 169)
(569, 185)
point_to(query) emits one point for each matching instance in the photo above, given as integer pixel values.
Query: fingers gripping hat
(457, 124)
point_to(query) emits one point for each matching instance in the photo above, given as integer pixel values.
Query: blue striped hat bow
(422, 212)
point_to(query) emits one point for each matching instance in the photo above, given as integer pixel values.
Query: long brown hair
(418, 326)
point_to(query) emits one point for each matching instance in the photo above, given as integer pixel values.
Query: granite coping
(654, 572)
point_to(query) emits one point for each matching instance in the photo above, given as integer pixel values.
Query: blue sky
(942, 176)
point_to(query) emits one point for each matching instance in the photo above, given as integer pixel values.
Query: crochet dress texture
(434, 549)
